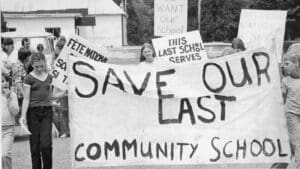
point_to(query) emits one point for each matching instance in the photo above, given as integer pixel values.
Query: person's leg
(65, 116)
(17, 117)
(293, 124)
(46, 138)
(8, 133)
(297, 141)
(34, 125)
(56, 120)
(65, 122)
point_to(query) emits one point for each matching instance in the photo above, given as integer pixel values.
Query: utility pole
(123, 5)
(199, 15)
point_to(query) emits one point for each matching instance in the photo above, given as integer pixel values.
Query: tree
(264, 4)
(293, 8)
(142, 14)
(219, 19)
(274, 4)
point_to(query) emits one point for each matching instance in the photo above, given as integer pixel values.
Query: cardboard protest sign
(170, 17)
(75, 47)
(180, 48)
(257, 27)
(214, 112)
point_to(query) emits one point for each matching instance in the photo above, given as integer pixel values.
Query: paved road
(61, 153)
(61, 158)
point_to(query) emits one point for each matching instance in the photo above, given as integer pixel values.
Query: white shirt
(9, 109)
(13, 57)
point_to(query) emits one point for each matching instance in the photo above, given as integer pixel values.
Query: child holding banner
(37, 111)
(147, 53)
(291, 92)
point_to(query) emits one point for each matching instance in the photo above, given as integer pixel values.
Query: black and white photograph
(150, 84)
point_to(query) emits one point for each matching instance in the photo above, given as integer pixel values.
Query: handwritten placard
(170, 17)
(258, 28)
(179, 49)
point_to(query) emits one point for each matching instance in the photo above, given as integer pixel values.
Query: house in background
(100, 21)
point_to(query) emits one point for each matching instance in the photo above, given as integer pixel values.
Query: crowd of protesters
(28, 95)
(26, 86)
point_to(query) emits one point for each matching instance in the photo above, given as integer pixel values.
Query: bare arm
(284, 91)
(13, 105)
(58, 93)
(20, 87)
(25, 104)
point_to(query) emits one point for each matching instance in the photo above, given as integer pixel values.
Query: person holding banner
(147, 53)
(61, 112)
(58, 47)
(291, 93)
(37, 111)
(236, 46)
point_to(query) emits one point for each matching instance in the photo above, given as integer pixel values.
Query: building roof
(95, 7)
(25, 34)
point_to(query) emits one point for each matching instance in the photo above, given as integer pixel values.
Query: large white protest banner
(170, 17)
(180, 48)
(221, 111)
(76, 46)
(257, 27)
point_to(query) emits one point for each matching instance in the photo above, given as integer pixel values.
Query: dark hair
(60, 44)
(40, 47)
(8, 41)
(24, 40)
(62, 38)
(23, 54)
(239, 43)
(6, 78)
(146, 45)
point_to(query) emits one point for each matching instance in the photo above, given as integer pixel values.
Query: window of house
(54, 31)
(11, 29)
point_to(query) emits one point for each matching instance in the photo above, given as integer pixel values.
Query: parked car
(214, 50)
(47, 39)
(130, 53)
